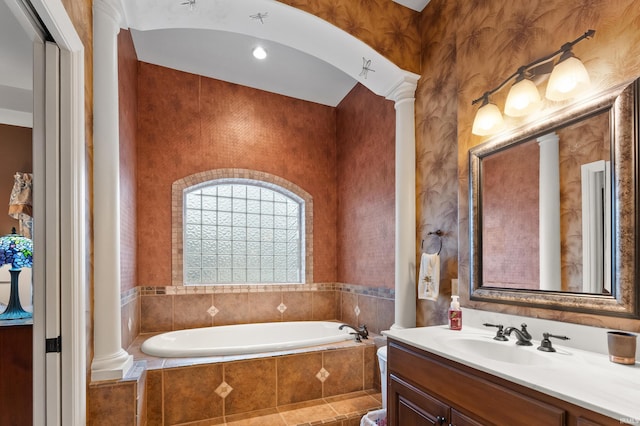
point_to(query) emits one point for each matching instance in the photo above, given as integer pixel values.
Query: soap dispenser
(455, 314)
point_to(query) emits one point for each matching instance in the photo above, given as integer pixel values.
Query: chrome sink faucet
(360, 333)
(500, 333)
(524, 338)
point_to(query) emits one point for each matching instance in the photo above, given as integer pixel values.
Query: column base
(114, 367)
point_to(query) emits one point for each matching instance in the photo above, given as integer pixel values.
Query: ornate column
(405, 262)
(549, 200)
(110, 361)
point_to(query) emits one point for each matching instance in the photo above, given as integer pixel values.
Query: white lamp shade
(523, 98)
(488, 120)
(568, 79)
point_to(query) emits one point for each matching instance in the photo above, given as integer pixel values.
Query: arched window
(242, 231)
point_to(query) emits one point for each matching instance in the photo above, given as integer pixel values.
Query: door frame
(59, 395)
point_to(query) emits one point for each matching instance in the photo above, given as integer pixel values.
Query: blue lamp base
(14, 308)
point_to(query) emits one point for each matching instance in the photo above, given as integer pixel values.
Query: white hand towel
(429, 277)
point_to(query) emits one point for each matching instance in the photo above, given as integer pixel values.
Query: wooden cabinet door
(409, 406)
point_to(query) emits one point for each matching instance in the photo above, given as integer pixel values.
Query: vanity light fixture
(523, 97)
(488, 119)
(259, 53)
(568, 78)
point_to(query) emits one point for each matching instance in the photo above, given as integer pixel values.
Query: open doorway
(44, 41)
(16, 135)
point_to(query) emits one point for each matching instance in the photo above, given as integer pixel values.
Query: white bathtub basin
(244, 338)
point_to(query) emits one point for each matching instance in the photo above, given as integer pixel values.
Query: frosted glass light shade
(568, 79)
(488, 120)
(523, 98)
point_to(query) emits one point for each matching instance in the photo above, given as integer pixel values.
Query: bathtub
(244, 339)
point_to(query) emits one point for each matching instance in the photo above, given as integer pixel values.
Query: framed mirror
(554, 207)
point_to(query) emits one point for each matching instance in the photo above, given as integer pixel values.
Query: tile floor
(343, 410)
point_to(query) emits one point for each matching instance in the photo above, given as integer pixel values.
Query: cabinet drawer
(475, 396)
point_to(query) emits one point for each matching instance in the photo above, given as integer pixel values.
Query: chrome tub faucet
(359, 333)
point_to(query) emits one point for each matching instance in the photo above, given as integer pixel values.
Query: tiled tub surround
(336, 402)
(332, 384)
(129, 315)
(119, 402)
(180, 307)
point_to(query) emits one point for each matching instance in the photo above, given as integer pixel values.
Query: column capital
(113, 9)
(549, 137)
(404, 90)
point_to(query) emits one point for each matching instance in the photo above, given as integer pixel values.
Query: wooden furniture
(16, 377)
(426, 389)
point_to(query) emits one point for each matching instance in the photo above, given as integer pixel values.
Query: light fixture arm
(521, 71)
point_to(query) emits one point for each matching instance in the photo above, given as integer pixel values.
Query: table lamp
(16, 251)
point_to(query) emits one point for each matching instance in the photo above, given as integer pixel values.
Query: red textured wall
(127, 86)
(366, 189)
(510, 233)
(188, 124)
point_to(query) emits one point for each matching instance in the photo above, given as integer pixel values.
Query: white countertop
(586, 379)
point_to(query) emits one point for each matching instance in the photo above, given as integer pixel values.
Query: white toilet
(382, 361)
(378, 417)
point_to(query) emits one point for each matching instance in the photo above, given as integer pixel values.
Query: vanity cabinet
(426, 389)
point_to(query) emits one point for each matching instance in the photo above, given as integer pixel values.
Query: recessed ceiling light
(259, 53)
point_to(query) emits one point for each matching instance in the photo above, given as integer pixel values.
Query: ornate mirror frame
(622, 102)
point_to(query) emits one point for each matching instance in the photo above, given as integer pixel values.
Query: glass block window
(242, 231)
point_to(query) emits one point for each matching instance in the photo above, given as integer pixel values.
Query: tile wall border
(384, 293)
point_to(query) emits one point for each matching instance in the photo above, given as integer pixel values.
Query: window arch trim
(266, 179)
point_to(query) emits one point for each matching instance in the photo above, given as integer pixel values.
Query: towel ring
(439, 233)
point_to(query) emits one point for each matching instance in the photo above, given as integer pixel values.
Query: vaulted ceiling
(308, 57)
(316, 67)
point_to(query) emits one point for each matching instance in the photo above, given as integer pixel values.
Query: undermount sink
(497, 350)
